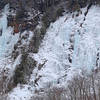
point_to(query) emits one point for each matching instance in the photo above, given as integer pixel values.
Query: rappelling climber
(16, 26)
(0, 32)
(37, 79)
(69, 58)
(20, 30)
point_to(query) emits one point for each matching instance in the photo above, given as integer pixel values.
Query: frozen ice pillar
(3, 20)
(4, 30)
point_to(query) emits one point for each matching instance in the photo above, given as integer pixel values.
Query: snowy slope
(53, 57)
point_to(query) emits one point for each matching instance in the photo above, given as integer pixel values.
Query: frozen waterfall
(7, 40)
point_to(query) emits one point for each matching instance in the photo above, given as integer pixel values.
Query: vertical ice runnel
(7, 40)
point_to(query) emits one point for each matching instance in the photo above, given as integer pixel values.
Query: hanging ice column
(7, 40)
(3, 30)
(3, 20)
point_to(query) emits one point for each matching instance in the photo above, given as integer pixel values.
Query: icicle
(3, 23)
(3, 29)
(3, 20)
(6, 9)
